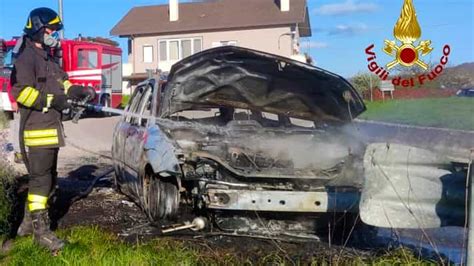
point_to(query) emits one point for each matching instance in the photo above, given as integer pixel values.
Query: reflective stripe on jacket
(36, 78)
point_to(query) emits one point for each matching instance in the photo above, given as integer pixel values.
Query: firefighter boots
(26, 228)
(42, 234)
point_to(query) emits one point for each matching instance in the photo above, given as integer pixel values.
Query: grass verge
(93, 246)
(452, 112)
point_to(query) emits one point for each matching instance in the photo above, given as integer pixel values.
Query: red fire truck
(94, 62)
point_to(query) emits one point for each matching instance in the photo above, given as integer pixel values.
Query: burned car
(237, 133)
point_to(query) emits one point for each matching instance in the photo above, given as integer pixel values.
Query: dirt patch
(80, 201)
(112, 211)
(107, 209)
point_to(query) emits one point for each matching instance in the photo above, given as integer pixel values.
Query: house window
(186, 48)
(173, 50)
(197, 45)
(87, 58)
(223, 43)
(148, 54)
(163, 51)
(177, 49)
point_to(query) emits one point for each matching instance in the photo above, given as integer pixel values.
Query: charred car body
(236, 132)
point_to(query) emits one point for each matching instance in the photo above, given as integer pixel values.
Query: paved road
(89, 135)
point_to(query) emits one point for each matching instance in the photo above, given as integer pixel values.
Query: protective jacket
(36, 79)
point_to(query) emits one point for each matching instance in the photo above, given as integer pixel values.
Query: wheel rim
(160, 199)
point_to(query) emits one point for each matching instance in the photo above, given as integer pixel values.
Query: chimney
(174, 10)
(285, 5)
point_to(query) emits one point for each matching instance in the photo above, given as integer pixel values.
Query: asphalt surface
(90, 136)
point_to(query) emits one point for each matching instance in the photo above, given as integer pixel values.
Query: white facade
(161, 52)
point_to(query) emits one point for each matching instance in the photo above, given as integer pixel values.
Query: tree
(365, 83)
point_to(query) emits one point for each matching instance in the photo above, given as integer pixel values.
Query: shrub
(7, 195)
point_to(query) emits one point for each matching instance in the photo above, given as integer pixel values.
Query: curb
(411, 126)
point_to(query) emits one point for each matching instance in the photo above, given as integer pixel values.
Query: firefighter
(41, 89)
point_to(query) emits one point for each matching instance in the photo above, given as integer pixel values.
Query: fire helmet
(38, 20)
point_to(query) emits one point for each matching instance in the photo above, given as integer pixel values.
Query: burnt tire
(160, 198)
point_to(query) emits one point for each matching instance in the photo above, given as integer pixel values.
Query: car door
(135, 137)
(123, 130)
(119, 137)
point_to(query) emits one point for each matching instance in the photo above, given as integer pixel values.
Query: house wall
(266, 40)
(126, 85)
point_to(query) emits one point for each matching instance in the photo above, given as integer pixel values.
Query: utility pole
(371, 88)
(60, 9)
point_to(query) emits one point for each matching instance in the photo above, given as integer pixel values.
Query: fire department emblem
(407, 31)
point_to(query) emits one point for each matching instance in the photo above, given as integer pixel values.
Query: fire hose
(83, 105)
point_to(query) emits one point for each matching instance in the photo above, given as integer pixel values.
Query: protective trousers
(43, 175)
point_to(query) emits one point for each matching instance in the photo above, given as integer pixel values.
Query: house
(160, 35)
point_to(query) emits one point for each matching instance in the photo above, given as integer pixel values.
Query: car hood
(243, 78)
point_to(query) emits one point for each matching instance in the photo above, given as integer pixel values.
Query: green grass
(453, 112)
(93, 246)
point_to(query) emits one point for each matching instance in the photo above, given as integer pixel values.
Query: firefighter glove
(60, 102)
(77, 92)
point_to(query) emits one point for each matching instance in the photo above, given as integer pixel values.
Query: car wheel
(160, 197)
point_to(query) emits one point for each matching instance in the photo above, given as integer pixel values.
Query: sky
(341, 29)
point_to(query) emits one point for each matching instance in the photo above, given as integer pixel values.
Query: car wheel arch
(160, 195)
(174, 178)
